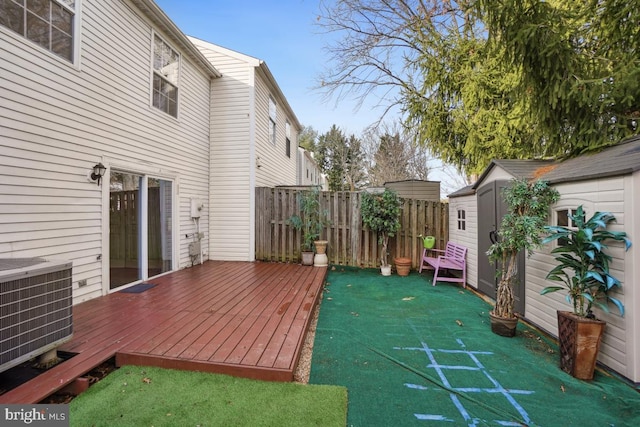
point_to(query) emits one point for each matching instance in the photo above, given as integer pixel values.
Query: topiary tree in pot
(583, 271)
(522, 228)
(381, 213)
(311, 220)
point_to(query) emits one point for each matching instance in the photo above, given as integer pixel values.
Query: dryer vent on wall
(35, 308)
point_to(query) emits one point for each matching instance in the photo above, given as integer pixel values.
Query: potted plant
(311, 220)
(381, 213)
(521, 229)
(583, 270)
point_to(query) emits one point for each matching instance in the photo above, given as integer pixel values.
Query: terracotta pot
(579, 340)
(403, 266)
(503, 326)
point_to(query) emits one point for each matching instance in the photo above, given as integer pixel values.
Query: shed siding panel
(595, 195)
(58, 121)
(469, 236)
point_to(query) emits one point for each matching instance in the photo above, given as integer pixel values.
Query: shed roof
(517, 168)
(619, 159)
(464, 191)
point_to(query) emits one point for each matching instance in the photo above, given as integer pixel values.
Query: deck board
(237, 318)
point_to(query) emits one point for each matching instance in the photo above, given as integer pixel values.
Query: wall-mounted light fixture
(98, 172)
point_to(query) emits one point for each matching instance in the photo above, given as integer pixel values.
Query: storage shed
(605, 181)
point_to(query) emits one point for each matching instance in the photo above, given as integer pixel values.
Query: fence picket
(349, 242)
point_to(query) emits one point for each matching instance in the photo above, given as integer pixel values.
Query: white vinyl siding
(59, 121)
(277, 168)
(231, 156)
(242, 154)
(49, 24)
(595, 195)
(467, 237)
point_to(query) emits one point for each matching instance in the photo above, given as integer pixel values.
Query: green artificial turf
(413, 354)
(145, 396)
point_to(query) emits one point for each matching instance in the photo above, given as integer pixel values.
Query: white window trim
(152, 72)
(148, 172)
(76, 37)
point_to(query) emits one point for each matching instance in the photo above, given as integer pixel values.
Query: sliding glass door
(140, 227)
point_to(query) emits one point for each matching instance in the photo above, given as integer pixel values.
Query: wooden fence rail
(350, 243)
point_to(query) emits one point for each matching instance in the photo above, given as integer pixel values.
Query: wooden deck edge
(54, 379)
(307, 324)
(253, 372)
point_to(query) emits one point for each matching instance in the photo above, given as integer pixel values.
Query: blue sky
(282, 33)
(285, 34)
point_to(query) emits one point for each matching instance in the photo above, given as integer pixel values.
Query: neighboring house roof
(257, 63)
(162, 21)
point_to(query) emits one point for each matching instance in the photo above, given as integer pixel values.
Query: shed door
(491, 209)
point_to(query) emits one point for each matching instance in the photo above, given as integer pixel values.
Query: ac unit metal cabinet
(35, 308)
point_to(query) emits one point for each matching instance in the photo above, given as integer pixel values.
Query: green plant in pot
(583, 271)
(311, 221)
(381, 213)
(522, 228)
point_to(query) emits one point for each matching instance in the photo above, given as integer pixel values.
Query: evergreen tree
(341, 159)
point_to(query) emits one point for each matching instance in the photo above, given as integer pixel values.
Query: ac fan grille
(35, 313)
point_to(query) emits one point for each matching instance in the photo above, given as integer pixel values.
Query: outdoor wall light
(98, 172)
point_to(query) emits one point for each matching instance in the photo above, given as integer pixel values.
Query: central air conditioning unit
(35, 308)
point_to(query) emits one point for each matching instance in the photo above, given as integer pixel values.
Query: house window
(166, 71)
(48, 23)
(288, 139)
(462, 220)
(272, 121)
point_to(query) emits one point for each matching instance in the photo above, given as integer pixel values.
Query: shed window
(563, 219)
(166, 73)
(462, 220)
(48, 23)
(272, 121)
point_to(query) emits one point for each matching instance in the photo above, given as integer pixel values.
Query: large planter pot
(579, 340)
(307, 257)
(321, 259)
(503, 326)
(403, 266)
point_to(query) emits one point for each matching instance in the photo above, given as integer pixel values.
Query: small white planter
(385, 270)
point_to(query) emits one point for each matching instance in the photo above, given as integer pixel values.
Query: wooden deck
(237, 318)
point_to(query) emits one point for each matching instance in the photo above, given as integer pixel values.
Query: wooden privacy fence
(350, 243)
